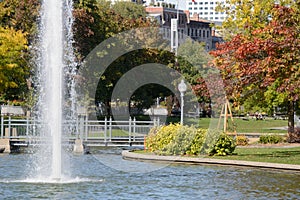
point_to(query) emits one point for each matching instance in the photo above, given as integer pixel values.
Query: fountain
(55, 57)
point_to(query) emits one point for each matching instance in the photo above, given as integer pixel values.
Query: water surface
(105, 175)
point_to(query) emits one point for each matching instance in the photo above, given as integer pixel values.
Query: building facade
(206, 9)
(194, 27)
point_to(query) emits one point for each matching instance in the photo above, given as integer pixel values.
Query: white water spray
(55, 68)
(52, 42)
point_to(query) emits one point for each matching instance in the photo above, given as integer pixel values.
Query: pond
(105, 175)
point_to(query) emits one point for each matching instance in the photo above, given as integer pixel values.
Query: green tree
(129, 10)
(13, 65)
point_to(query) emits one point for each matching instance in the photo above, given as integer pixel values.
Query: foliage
(129, 10)
(245, 16)
(270, 139)
(13, 66)
(192, 63)
(225, 145)
(242, 140)
(176, 139)
(21, 15)
(266, 62)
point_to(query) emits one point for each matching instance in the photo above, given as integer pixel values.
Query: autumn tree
(13, 65)
(21, 15)
(267, 62)
(245, 16)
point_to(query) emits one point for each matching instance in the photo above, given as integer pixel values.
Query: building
(206, 9)
(194, 27)
(181, 3)
(114, 1)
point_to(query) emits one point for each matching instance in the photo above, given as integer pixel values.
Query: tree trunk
(291, 122)
(293, 134)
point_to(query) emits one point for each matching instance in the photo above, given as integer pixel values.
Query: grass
(244, 126)
(272, 155)
(114, 133)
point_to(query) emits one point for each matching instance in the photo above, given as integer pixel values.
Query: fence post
(9, 126)
(2, 126)
(134, 126)
(129, 131)
(105, 128)
(86, 126)
(27, 127)
(110, 128)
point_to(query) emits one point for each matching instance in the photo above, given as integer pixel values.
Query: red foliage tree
(269, 58)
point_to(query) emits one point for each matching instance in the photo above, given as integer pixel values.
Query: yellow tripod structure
(226, 112)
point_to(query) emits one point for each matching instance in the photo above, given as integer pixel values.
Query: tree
(13, 66)
(247, 15)
(129, 10)
(268, 62)
(192, 63)
(21, 15)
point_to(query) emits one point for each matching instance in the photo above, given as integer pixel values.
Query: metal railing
(106, 130)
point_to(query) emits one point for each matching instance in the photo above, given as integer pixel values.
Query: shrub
(241, 140)
(175, 139)
(270, 139)
(225, 145)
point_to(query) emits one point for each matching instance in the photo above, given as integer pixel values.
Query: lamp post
(182, 88)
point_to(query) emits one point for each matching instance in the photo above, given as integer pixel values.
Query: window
(207, 33)
(206, 13)
(201, 8)
(206, 3)
(201, 13)
(201, 3)
(195, 8)
(212, 8)
(216, 17)
(190, 8)
(211, 3)
(204, 31)
(211, 13)
(206, 8)
(211, 18)
(190, 3)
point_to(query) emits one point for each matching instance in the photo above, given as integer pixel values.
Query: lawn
(272, 155)
(244, 126)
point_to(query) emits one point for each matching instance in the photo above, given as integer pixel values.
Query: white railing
(106, 130)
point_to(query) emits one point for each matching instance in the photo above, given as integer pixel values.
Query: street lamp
(182, 88)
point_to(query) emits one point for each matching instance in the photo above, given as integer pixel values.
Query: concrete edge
(130, 155)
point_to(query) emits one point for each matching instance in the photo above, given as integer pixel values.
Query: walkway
(129, 155)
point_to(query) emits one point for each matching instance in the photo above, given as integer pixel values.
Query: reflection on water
(93, 178)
